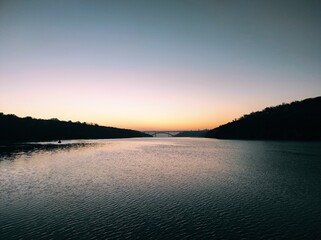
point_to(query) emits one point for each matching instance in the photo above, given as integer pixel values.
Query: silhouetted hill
(16, 129)
(200, 133)
(294, 121)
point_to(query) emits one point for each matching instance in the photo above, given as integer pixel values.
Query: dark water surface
(161, 188)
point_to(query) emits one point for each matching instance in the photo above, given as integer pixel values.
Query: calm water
(161, 188)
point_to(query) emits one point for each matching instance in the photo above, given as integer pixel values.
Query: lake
(161, 188)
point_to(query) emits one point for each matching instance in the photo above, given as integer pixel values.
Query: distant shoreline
(16, 129)
(296, 121)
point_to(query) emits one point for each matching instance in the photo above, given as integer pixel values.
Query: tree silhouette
(294, 121)
(16, 129)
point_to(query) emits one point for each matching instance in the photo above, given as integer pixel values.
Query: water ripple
(161, 189)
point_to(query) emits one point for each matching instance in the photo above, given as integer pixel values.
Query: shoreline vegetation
(296, 121)
(15, 129)
(196, 133)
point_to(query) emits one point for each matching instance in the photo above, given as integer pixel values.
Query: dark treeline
(200, 133)
(294, 121)
(16, 129)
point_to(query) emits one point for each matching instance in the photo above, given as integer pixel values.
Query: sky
(156, 65)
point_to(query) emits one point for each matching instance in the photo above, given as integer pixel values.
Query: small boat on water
(59, 141)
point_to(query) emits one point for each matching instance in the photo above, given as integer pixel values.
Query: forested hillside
(300, 120)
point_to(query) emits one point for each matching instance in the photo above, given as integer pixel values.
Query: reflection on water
(12, 151)
(160, 188)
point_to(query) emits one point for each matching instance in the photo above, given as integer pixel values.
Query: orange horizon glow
(139, 126)
(157, 66)
(151, 102)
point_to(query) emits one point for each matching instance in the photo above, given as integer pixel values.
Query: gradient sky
(156, 65)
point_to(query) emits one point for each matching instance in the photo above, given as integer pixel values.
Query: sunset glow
(155, 65)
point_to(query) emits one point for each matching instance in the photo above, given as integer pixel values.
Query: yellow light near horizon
(173, 124)
(138, 100)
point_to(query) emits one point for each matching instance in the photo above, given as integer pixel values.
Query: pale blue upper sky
(114, 62)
